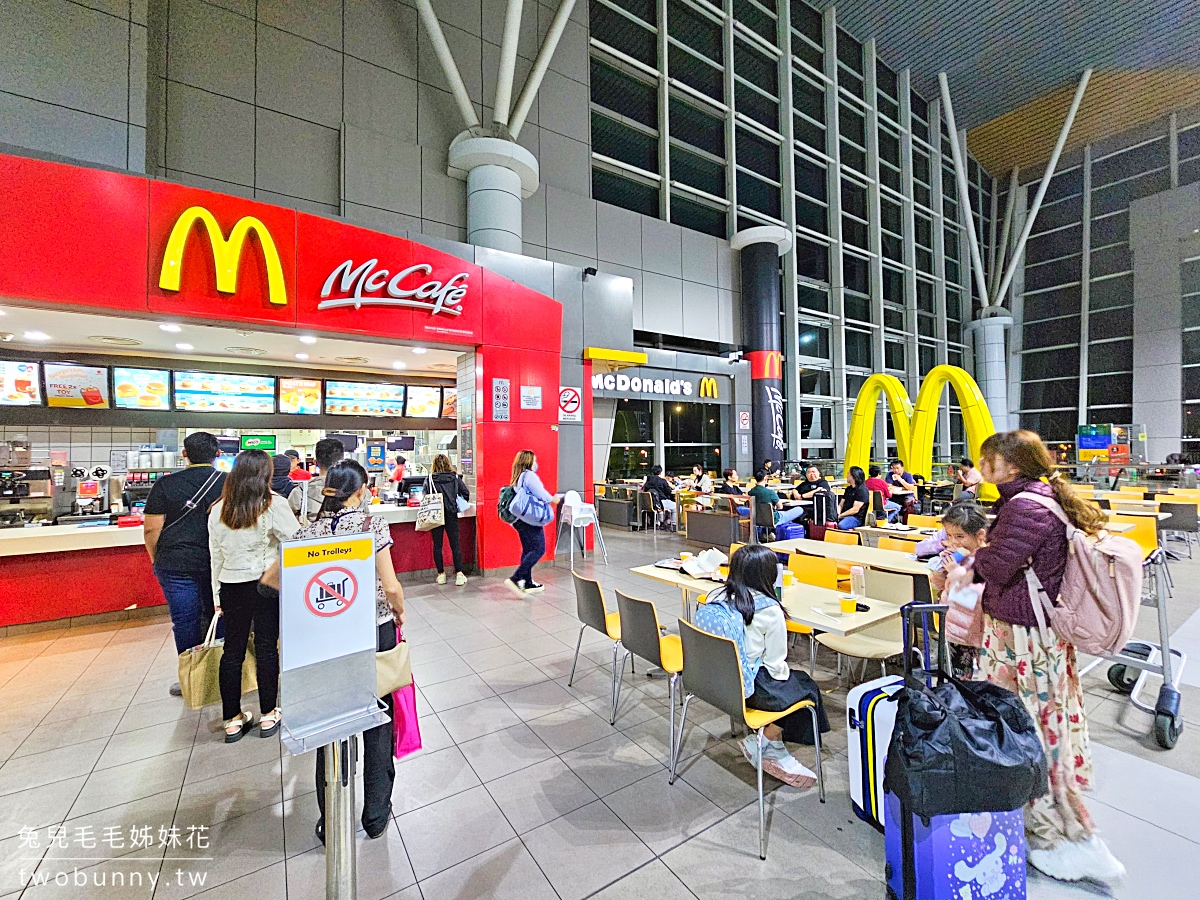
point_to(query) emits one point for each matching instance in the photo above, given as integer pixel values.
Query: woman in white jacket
(244, 530)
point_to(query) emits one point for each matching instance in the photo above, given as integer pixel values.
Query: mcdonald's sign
(226, 252)
(765, 364)
(915, 424)
(708, 388)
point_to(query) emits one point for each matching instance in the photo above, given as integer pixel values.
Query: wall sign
(570, 405)
(501, 390)
(259, 442)
(71, 385)
(744, 420)
(531, 397)
(660, 384)
(402, 289)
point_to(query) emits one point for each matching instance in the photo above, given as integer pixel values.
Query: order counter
(61, 571)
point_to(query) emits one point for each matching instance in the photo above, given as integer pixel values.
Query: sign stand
(327, 675)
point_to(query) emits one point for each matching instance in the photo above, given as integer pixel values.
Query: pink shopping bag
(408, 731)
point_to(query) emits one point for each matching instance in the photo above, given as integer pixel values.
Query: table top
(798, 601)
(873, 557)
(1148, 513)
(912, 534)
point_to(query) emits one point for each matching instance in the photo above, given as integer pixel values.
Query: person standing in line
(244, 530)
(298, 472)
(328, 453)
(282, 484)
(856, 500)
(533, 537)
(176, 537)
(450, 485)
(1042, 671)
(343, 511)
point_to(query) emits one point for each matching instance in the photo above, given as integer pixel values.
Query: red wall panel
(46, 586)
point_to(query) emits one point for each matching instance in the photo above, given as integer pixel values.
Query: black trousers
(244, 610)
(450, 532)
(533, 548)
(378, 747)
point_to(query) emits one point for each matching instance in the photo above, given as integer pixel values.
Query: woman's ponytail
(1025, 450)
(1083, 515)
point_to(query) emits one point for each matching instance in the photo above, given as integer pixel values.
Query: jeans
(782, 517)
(378, 748)
(243, 609)
(533, 548)
(450, 531)
(849, 523)
(892, 509)
(190, 602)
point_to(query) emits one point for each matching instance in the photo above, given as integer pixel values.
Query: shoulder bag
(432, 512)
(530, 509)
(199, 670)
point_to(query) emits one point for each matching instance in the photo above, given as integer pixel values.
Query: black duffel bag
(960, 746)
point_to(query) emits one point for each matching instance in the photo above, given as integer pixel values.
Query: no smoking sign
(331, 591)
(570, 405)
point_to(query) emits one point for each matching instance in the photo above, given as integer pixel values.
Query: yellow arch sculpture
(915, 424)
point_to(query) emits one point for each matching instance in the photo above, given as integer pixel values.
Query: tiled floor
(522, 790)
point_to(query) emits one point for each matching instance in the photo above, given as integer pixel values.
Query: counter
(60, 571)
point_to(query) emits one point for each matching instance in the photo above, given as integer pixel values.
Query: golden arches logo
(227, 254)
(915, 424)
(708, 388)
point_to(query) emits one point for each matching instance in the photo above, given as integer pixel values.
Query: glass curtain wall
(721, 116)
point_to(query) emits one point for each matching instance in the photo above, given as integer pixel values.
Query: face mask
(534, 467)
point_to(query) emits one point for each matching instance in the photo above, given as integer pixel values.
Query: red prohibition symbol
(330, 592)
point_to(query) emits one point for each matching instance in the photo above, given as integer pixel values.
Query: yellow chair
(880, 641)
(643, 636)
(591, 611)
(734, 548)
(1143, 532)
(836, 536)
(815, 570)
(924, 521)
(903, 545)
(1131, 489)
(713, 672)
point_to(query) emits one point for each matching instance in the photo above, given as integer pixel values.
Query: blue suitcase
(789, 531)
(870, 715)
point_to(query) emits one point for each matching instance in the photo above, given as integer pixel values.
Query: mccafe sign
(367, 285)
(657, 384)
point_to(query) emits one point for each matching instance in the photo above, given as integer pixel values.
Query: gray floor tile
(66, 733)
(585, 850)
(569, 728)
(612, 763)
(493, 658)
(539, 700)
(266, 884)
(465, 723)
(110, 880)
(512, 678)
(157, 812)
(232, 794)
(146, 743)
(663, 815)
(480, 640)
(506, 872)
(722, 775)
(39, 806)
(45, 768)
(156, 712)
(539, 794)
(458, 692)
(212, 757)
(247, 844)
(540, 645)
(300, 819)
(429, 777)
(653, 881)
(106, 788)
(452, 830)
(383, 869)
(438, 671)
(499, 753)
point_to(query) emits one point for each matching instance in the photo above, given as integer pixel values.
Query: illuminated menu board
(449, 403)
(354, 398)
(300, 396)
(222, 392)
(423, 402)
(69, 385)
(141, 388)
(20, 384)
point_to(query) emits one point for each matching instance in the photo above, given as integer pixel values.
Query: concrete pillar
(499, 175)
(760, 249)
(990, 373)
(659, 423)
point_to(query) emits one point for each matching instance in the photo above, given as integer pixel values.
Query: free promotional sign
(71, 385)
(327, 591)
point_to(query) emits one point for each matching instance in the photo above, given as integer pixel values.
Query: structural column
(499, 175)
(990, 371)
(760, 249)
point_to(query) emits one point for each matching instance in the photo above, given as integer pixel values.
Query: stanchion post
(341, 870)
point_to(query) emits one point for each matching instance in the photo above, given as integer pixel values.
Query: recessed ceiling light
(184, 347)
(307, 339)
(114, 341)
(419, 350)
(301, 356)
(246, 351)
(170, 328)
(398, 364)
(36, 336)
(353, 360)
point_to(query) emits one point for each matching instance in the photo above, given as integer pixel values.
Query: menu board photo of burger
(449, 403)
(354, 398)
(68, 385)
(224, 392)
(423, 402)
(142, 388)
(300, 396)
(20, 384)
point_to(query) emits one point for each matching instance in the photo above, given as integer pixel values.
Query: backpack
(506, 498)
(1101, 592)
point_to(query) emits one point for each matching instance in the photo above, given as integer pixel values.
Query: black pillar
(761, 343)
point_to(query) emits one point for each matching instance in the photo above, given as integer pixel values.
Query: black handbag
(959, 746)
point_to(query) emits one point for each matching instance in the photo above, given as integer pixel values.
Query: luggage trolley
(1151, 659)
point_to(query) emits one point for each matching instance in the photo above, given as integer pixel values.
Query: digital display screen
(222, 392)
(69, 385)
(20, 384)
(423, 402)
(141, 388)
(449, 403)
(300, 396)
(354, 398)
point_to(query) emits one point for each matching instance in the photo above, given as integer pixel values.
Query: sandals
(237, 727)
(270, 723)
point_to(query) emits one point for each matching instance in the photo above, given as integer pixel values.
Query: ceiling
(1000, 55)
(79, 332)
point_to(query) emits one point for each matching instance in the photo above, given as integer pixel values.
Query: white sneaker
(460, 579)
(749, 745)
(441, 579)
(514, 587)
(1096, 861)
(778, 751)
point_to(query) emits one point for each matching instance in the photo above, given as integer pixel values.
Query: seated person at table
(968, 476)
(731, 483)
(875, 483)
(763, 494)
(856, 500)
(905, 481)
(746, 611)
(701, 483)
(816, 489)
(660, 492)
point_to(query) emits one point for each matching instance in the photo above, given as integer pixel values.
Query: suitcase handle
(911, 614)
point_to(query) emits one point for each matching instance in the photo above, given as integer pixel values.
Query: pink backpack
(1101, 590)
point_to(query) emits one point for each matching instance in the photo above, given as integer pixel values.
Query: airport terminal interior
(637, 353)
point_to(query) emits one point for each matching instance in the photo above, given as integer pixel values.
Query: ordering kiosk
(327, 640)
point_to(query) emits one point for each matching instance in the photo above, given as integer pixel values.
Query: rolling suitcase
(816, 532)
(959, 856)
(789, 531)
(870, 715)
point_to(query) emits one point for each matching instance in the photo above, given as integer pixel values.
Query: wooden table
(877, 531)
(870, 557)
(798, 601)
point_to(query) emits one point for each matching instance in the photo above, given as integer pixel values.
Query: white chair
(579, 514)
